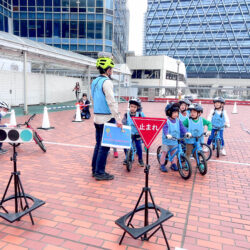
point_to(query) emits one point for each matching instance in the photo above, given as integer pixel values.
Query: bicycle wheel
(202, 166)
(129, 160)
(207, 151)
(218, 147)
(39, 142)
(158, 155)
(184, 167)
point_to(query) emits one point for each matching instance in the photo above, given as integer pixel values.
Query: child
(172, 128)
(219, 119)
(134, 105)
(184, 104)
(195, 124)
(4, 108)
(85, 106)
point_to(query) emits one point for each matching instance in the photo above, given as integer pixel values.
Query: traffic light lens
(13, 135)
(3, 135)
(26, 135)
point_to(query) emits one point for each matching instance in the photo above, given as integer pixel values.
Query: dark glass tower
(210, 37)
(83, 26)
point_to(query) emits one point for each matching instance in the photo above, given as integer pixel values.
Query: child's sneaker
(174, 167)
(205, 149)
(163, 168)
(125, 162)
(116, 154)
(3, 151)
(141, 163)
(223, 151)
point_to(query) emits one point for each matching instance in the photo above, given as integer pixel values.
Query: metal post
(88, 87)
(177, 78)
(25, 106)
(119, 85)
(45, 84)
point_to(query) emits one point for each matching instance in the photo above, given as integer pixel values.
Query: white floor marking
(121, 150)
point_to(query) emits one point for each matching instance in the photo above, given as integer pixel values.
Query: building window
(40, 28)
(109, 31)
(65, 29)
(24, 31)
(98, 32)
(57, 28)
(82, 29)
(90, 30)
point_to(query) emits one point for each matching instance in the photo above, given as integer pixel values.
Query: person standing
(77, 90)
(105, 110)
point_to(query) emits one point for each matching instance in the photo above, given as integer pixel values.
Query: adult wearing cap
(105, 110)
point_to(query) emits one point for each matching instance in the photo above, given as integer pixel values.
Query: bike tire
(202, 166)
(39, 142)
(207, 154)
(218, 148)
(184, 167)
(158, 155)
(129, 160)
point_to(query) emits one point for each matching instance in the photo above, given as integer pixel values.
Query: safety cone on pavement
(46, 123)
(235, 109)
(78, 114)
(12, 118)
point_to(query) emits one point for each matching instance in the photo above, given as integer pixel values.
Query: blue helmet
(172, 107)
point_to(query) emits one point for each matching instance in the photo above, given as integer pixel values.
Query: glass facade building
(211, 37)
(83, 26)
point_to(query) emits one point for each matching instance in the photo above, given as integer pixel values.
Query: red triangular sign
(148, 128)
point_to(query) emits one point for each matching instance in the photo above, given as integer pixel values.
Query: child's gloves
(169, 136)
(188, 135)
(208, 133)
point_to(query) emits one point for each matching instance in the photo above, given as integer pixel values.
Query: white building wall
(59, 88)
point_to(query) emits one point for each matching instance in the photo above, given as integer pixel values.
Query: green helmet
(104, 63)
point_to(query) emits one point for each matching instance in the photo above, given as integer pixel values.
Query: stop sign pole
(148, 129)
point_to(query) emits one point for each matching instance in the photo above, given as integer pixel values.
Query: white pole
(88, 87)
(45, 84)
(25, 106)
(119, 83)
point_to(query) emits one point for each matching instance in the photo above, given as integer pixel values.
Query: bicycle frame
(216, 136)
(178, 150)
(27, 124)
(197, 147)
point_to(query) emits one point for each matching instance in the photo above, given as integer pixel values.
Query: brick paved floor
(210, 212)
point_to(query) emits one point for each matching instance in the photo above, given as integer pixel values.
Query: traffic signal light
(16, 135)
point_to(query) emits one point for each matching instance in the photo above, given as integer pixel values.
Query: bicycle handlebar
(219, 128)
(197, 137)
(27, 122)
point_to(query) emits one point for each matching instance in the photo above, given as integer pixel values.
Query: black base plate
(138, 232)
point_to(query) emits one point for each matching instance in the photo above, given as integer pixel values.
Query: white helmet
(4, 105)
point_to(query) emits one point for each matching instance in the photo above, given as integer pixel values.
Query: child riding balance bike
(134, 105)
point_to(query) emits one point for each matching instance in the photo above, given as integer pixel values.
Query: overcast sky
(137, 9)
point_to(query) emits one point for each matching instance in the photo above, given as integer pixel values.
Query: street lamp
(177, 78)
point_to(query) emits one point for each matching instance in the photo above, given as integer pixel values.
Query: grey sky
(137, 9)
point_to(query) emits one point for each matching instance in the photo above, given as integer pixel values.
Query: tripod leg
(162, 229)
(20, 196)
(25, 198)
(132, 215)
(6, 190)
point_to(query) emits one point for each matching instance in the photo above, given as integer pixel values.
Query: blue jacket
(174, 130)
(130, 122)
(218, 121)
(99, 99)
(196, 129)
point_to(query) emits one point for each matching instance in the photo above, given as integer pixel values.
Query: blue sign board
(116, 137)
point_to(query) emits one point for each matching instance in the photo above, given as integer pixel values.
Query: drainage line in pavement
(55, 236)
(188, 212)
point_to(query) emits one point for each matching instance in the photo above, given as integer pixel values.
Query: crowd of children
(183, 120)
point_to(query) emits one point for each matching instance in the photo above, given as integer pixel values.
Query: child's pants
(210, 138)
(165, 149)
(137, 140)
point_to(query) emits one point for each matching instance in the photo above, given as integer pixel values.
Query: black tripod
(21, 199)
(162, 214)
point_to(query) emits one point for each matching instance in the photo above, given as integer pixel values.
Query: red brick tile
(52, 240)
(32, 244)
(13, 239)
(12, 247)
